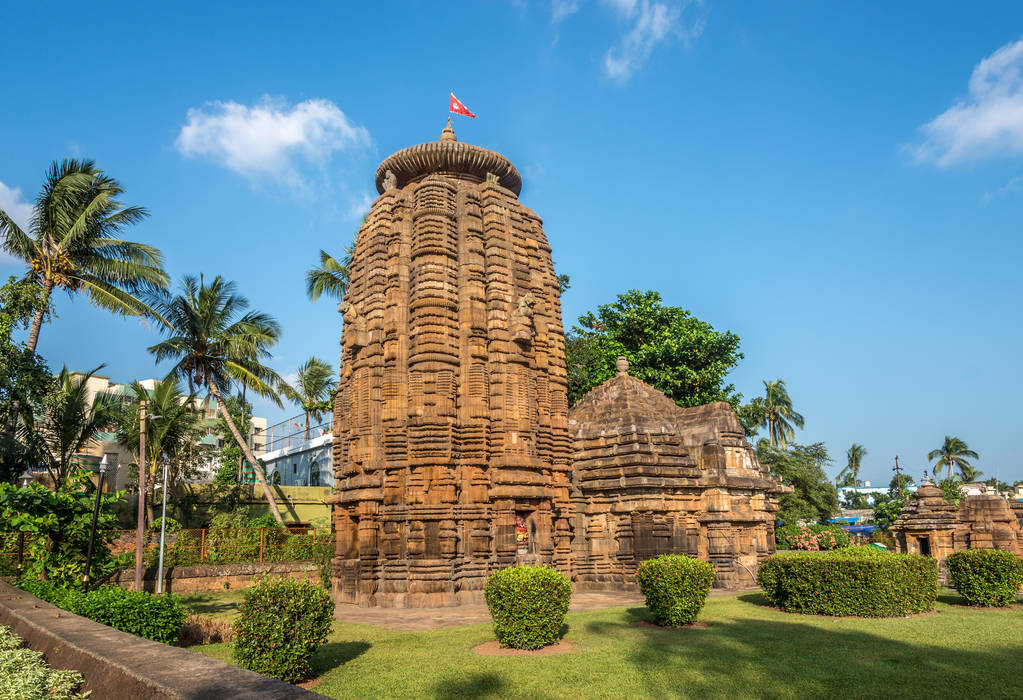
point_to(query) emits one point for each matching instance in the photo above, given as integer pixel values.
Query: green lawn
(747, 651)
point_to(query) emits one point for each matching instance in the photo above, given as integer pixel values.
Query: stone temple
(455, 452)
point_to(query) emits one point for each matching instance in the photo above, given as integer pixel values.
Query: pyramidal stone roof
(623, 402)
(450, 157)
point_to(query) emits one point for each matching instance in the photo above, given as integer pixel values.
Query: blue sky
(839, 184)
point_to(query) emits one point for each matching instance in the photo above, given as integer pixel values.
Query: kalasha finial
(622, 366)
(448, 134)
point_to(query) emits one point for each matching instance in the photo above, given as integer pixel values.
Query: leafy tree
(312, 389)
(814, 497)
(67, 422)
(751, 416)
(887, 507)
(998, 484)
(899, 483)
(952, 453)
(778, 414)
(215, 343)
(564, 283)
(73, 243)
(230, 455)
(172, 429)
(850, 475)
(666, 346)
(56, 525)
(953, 489)
(854, 500)
(25, 380)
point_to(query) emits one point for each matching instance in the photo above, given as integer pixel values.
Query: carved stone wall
(451, 450)
(653, 478)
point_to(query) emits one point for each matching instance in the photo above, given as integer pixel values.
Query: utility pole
(143, 467)
(898, 475)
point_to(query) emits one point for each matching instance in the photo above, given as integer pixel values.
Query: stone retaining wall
(216, 577)
(120, 665)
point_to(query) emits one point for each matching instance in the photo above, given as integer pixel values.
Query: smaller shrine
(932, 525)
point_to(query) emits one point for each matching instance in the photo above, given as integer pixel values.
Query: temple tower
(451, 448)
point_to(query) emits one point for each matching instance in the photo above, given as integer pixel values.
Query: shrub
(25, 676)
(675, 587)
(528, 604)
(281, 624)
(987, 577)
(811, 537)
(145, 615)
(857, 581)
(172, 525)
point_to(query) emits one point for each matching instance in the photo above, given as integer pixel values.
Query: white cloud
(988, 122)
(269, 139)
(16, 206)
(651, 23)
(359, 206)
(561, 9)
(1013, 186)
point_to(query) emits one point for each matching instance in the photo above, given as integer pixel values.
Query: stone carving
(452, 450)
(929, 524)
(653, 478)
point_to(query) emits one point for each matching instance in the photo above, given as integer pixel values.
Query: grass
(748, 650)
(218, 605)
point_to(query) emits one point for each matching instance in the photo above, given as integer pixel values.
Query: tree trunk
(37, 317)
(247, 451)
(307, 426)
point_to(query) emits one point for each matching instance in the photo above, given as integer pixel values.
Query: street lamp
(25, 476)
(163, 528)
(95, 515)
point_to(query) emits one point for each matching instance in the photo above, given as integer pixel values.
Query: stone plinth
(451, 450)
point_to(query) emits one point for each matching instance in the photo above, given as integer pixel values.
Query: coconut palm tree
(73, 243)
(330, 277)
(952, 453)
(312, 389)
(171, 429)
(67, 422)
(969, 474)
(854, 456)
(216, 344)
(779, 416)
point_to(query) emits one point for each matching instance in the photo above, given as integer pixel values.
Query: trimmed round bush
(282, 622)
(987, 577)
(852, 581)
(675, 587)
(528, 604)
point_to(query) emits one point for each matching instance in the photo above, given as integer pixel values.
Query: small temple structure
(454, 451)
(932, 525)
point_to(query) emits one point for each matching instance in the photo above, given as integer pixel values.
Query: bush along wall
(986, 577)
(145, 615)
(675, 587)
(281, 624)
(854, 581)
(811, 537)
(528, 604)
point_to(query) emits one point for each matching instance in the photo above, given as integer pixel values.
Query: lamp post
(163, 529)
(140, 531)
(95, 516)
(25, 476)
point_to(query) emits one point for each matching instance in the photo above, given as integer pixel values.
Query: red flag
(458, 108)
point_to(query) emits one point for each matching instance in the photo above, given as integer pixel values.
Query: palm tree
(779, 416)
(68, 421)
(172, 428)
(312, 389)
(73, 244)
(854, 456)
(970, 474)
(953, 452)
(330, 277)
(215, 344)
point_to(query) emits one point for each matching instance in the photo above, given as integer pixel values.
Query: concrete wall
(297, 503)
(120, 665)
(216, 577)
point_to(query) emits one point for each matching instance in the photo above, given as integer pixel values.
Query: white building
(306, 463)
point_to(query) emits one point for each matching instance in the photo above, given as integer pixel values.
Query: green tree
(969, 474)
(172, 428)
(67, 421)
(899, 483)
(25, 380)
(73, 243)
(778, 415)
(215, 344)
(952, 453)
(230, 454)
(887, 507)
(953, 489)
(666, 346)
(751, 416)
(330, 277)
(313, 387)
(56, 525)
(814, 497)
(997, 484)
(850, 475)
(854, 500)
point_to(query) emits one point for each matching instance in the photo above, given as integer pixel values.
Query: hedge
(281, 623)
(145, 615)
(528, 604)
(854, 581)
(986, 577)
(24, 674)
(675, 587)
(811, 537)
